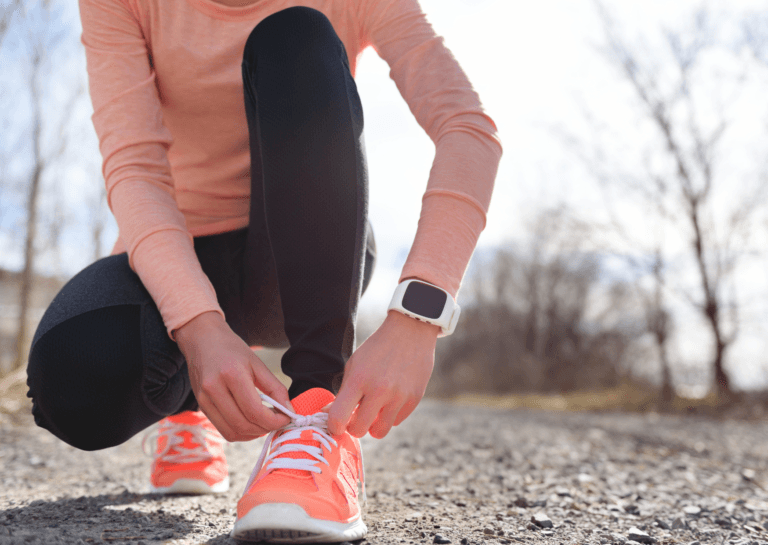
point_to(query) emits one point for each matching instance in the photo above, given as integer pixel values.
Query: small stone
(632, 509)
(547, 533)
(464, 541)
(663, 525)
(440, 539)
(541, 520)
(692, 510)
(618, 538)
(636, 534)
(488, 531)
(679, 523)
(532, 526)
(521, 502)
(694, 543)
(562, 491)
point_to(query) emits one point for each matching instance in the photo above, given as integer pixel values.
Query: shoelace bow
(318, 423)
(172, 433)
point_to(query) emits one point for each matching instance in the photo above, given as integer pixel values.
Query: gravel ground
(449, 474)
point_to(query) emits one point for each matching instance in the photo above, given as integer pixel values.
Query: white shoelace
(172, 433)
(318, 423)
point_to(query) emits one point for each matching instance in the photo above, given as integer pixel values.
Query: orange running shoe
(189, 458)
(306, 490)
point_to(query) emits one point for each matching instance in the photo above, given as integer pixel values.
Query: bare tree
(658, 322)
(540, 317)
(681, 191)
(43, 38)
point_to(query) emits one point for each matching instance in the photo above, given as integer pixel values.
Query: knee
(291, 30)
(80, 377)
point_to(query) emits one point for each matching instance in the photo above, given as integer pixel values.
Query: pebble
(679, 523)
(542, 520)
(692, 510)
(440, 539)
(636, 534)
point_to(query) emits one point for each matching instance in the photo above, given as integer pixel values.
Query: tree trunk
(28, 273)
(722, 384)
(667, 392)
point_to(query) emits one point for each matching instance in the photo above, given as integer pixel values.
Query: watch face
(424, 300)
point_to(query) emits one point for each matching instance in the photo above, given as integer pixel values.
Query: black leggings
(102, 367)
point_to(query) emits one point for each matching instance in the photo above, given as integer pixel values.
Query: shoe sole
(191, 486)
(290, 523)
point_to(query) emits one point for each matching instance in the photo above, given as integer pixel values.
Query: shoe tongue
(188, 418)
(311, 401)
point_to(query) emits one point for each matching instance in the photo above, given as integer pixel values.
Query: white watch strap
(447, 320)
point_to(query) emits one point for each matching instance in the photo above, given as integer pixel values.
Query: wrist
(197, 326)
(402, 321)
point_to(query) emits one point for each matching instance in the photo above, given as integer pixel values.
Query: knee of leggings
(287, 27)
(83, 375)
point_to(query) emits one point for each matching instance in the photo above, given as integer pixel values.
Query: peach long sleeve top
(168, 110)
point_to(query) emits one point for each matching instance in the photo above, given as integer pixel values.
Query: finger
(364, 417)
(385, 421)
(213, 414)
(235, 419)
(342, 407)
(405, 411)
(249, 404)
(268, 383)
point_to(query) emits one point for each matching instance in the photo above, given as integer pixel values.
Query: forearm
(454, 209)
(162, 254)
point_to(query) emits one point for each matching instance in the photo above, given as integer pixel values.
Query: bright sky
(533, 65)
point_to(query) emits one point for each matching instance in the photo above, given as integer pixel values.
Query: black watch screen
(424, 300)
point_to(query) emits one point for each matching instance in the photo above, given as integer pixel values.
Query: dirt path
(458, 474)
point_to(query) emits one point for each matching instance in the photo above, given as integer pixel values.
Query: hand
(387, 375)
(225, 373)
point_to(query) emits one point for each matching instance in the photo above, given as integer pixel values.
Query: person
(231, 133)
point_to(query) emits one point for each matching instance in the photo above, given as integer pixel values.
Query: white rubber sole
(191, 486)
(289, 523)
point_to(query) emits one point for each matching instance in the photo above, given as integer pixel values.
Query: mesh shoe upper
(307, 466)
(188, 447)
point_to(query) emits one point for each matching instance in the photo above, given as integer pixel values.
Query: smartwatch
(427, 303)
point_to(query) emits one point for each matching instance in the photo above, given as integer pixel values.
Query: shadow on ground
(107, 518)
(93, 519)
